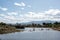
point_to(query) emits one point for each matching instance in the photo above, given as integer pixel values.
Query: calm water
(29, 34)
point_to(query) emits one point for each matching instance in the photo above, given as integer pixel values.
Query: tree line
(18, 25)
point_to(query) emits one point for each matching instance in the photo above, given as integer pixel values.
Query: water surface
(29, 34)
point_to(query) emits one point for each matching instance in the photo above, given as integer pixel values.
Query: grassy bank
(4, 30)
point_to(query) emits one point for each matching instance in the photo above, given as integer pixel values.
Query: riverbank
(58, 29)
(5, 30)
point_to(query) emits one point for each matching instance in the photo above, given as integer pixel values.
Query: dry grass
(6, 29)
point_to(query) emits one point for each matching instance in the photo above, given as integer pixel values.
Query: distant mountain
(39, 22)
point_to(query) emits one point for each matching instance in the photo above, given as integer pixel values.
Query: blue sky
(13, 11)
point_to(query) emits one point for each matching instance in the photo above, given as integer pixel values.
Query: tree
(2, 23)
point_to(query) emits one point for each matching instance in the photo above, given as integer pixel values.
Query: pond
(33, 34)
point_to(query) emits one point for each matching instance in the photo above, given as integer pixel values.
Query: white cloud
(3, 9)
(2, 15)
(17, 4)
(20, 4)
(12, 13)
(51, 14)
(53, 11)
(23, 4)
